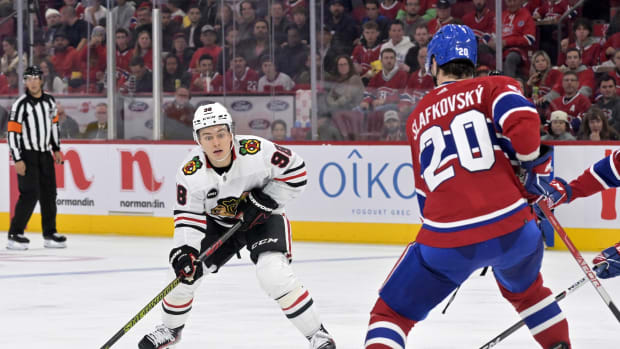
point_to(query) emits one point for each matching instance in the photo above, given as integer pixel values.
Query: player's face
(608, 89)
(33, 84)
(396, 33)
(572, 60)
(570, 84)
(596, 125)
(388, 60)
(540, 63)
(558, 127)
(215, 142)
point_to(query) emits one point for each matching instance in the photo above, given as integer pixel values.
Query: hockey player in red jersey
(464, 135)
(227, 178)
(604, 174)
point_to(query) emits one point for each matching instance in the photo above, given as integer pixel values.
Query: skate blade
(17, 246)
(54, 244)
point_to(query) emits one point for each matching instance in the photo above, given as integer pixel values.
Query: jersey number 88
(471, 157)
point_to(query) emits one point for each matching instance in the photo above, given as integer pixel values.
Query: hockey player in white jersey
(229, 177)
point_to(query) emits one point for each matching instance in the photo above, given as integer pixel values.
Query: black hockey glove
(254, 208)
(184, 261)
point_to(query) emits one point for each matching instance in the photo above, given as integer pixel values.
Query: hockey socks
(387, 328)
(541, 313)
(298, 307)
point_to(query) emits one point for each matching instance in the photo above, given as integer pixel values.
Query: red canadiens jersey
(553, 77)
(389, 89)
(364, 56)
(462, 136)
(480, 26)
(418, 85)
(575, 107)
(604, 174)
(518, 31)
(552, 9)
(391, 11)
(248, 82)
(586, 79)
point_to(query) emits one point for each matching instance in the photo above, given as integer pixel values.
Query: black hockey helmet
(33, 70)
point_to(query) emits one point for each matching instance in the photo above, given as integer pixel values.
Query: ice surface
(80, 296)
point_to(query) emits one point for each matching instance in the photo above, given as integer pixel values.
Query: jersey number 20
(471, 120)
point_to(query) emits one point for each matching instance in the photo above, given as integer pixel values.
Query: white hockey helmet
(211, 114)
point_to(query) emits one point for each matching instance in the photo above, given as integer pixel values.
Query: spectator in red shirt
(64, 55)
(123, 51)
(144, 48)
(550, 10)
(419, 83)
(572, 102)
(531, 5)
(481, 20)
(208, 38)
(543, 77)
(239, 78)
(518, 36)
(443, 17)
(204, 76)
(585, 74)
(588, 46)
(390, 8)
(367, 51)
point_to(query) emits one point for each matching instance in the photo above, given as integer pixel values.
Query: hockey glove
(254, 208)
(538, 173)
(607, 263)
(185, 263)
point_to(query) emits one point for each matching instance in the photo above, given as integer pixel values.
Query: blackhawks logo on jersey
(192, 166)
(226, 207)
(249, 146)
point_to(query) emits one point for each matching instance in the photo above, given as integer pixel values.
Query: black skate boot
(163, 337)
(54, 240)
(17, 242)
(561, 345)
(321, 339)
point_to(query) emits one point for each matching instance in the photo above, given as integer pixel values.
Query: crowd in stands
(370, 60)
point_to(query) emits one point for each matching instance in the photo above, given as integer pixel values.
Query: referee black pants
(39, 184)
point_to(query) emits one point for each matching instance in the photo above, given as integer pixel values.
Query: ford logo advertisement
(277, 105)
(138, 106)
(259, 124)
(241, 105)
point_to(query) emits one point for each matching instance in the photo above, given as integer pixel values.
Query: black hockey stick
(169, 288)
(512, 329)
(582, 262)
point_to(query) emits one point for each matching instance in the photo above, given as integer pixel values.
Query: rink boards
(356, 192)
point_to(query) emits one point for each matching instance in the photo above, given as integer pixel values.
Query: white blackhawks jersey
(201, 191)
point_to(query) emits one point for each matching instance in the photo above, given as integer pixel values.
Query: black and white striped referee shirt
(33, 125)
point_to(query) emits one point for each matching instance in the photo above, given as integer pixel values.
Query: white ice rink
(80, 296)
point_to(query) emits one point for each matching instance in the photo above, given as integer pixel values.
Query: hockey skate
(163, 337)
(54, 240)
(17, 242)
(322, 340)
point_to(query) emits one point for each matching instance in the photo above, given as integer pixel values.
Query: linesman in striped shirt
(32, 133)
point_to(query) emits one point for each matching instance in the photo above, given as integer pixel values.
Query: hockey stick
(512, 329)
(579, 258)
(216, 245)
